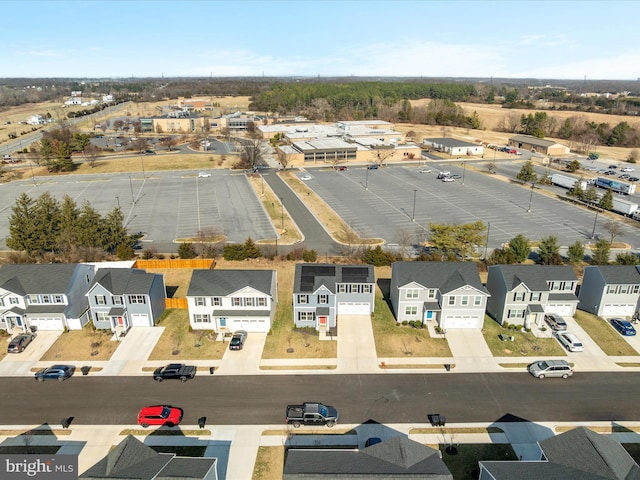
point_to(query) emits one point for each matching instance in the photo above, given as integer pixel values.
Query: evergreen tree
(627, 258)
(606, 202)
(22, 226)
(250, 249)
(527, 173)
(549, 251)
(520, 247)
(600, 252)
(187, 250)
(115, 233)
(46, 213)
(590, 195)
(575, 252)
(89, 231)
(68, 231)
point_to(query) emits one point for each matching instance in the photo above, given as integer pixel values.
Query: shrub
(187, 250)
(405, 322)
(310, 256)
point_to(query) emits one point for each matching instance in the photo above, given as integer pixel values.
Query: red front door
(322, 321)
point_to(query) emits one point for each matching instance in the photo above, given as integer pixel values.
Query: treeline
(49, 226)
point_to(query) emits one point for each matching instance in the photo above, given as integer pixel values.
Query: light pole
(118, 202)
(413, 216)
(142, 160)
(33, 176)
(464, 169)
(131, 186)
(366, 180)
(262, 180)
(486, 243)
(531, 197)
(593, 232)
(282, 212)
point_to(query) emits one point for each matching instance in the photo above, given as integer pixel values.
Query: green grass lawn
(524, 344)
(464, 465)
(601, 332)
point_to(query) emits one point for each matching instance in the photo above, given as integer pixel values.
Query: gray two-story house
(321, 292)
(46, 297)
(449, 293)
(522, 294)
(121, 298)
(610, 290)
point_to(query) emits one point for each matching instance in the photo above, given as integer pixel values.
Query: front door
(322, 322)
(120, 322)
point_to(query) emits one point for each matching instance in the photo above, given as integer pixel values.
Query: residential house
(132, 459)
(321, 292)
(121, 298)
(522, 294)
(610, 290)
(396, 458)
(47, 297)
(579, 454)
(448, 293)
(36, 120)
(230, 300)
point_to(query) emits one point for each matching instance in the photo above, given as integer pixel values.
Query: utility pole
(413, 216)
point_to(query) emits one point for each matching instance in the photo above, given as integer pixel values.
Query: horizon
(329, 39)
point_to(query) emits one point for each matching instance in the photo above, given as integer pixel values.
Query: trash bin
(447, 367)
(33, 328)
(202, 421)
(211, 370)
(85, 370)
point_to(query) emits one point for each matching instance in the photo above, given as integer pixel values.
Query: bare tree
(251, 152)
(140, 144)
(404, 238)
(513, 123)
(91, 153)
(285, 157)
(614, 229)
(169, 142)
(383, 153)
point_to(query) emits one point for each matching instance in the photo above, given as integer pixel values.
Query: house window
(477, 300)
(200, 302)
(102, 317)
(236, 301)
(323, 298)
(518, 297)
(535, 296)
(306, 316)
(366, 288)
(58, 299)
(303, 299)
(342, 288)
(33, 299)
(611, 288)
(13, 300)
(117, 300)
(465, 300)
(624, 288)
(452, 300)
(262, 302)
(137, 299)
(216, 301)
(431, 293)
(249, 302)
(201, 318)
(412, 293)
(515, 313)
(411, 310)
(101, 300)
(635, 289)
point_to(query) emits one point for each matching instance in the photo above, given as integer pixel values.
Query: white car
(569, 341)
(626, 169)
(448, 179)
(204, 175)
(306, 176)
(425, 170)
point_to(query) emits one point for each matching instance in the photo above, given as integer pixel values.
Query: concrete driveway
(592, 358)
(470, 350)
(21, 363)
(245, 361)
(356, 346)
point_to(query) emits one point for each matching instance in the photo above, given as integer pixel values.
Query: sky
(549, 39)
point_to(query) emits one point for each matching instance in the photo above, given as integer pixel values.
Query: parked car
(569, 341)
(550, 368)
(372, 167)
(592, 169)
(448, 179)
(204, 175)
(626, 169)
(624, 175)
(164, 415)
(556, 322)
(177, 371)
(20, 342)
(425, 170)
(633, 179)
(612, 167)
(455, 176)
(55, 372)
(341, 168)
(237, 340)
(149, 152)
(622, 326)
(306, 176)
(443, 174)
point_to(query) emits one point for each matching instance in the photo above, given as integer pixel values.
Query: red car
(159, 415)
(341, 168)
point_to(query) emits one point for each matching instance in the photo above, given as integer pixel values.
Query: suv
(238, 339)
(555, 322)
(550, 368)
(569, 341)
(443, 175)
(20, 342)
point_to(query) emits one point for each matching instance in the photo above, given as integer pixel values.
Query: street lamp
(593, 233)
(282, 212)
(118, 201)
(464, 169)
(142, 160)
(413, 216)
(131, 186)
(366, 180)
(531, 197)
(486, 243)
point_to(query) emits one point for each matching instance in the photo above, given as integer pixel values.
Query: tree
(575, 252)
(22, 226)
(140, 144)
(250, 249)
(501, 256)
(491, 167)
(600, 252)
(169, 142)
(627, 258)
(457, 240)
(606, 202)
(527, 173)
(46, 212)
(574, 166)
(576, 191)
(187, 250)
(383, 153)
(378, 257)
(633, 156)
(520, 247)
(251, 152)
(549, 251)
(91, 153)
(614, 229)
(590, 195)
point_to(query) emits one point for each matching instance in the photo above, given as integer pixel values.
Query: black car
(633, 179)
(20, 342)
(238, 339)
(149, 152)
(55, 372)
(372, 167)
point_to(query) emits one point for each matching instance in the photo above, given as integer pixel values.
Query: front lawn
(524, 344)
(601, 332)
(269, 463)
(82, 345)
(464, 464)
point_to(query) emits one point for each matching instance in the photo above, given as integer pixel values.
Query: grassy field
(524, 345)
(82, 345)
(608, 339)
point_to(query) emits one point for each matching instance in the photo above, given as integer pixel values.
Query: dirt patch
(82, 345)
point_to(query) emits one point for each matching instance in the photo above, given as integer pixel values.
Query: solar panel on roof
(355, 274)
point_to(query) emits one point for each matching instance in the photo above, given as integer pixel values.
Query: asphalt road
(251, 400)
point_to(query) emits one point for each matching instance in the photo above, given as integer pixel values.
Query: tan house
(539, 145)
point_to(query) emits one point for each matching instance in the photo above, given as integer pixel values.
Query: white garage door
(353, 308)
(618, 309)
(140, 320)
(564, 310)
(460, 321)
(47, 323)
(259, 325)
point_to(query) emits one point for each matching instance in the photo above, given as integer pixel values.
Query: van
(550, 368)
(570, 341)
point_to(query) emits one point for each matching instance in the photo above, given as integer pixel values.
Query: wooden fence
(176, 303)
(176, 263)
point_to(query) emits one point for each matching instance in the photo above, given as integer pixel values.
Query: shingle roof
(445, 276)
(395, 458)
(308, 277)
(37, 278)
(618, 274)
(535, 277)
(225, 282)
(120, 281)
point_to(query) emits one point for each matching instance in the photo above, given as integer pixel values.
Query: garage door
(140, 320)
(47, 323)
(564, 310)
(354, 308)
(254, 325)
(461, 321)
(618, 309)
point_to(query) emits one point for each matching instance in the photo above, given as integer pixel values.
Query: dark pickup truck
(178, 371)
(311, 414)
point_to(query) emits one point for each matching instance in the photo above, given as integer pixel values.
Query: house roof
(120, 281)
(225, 282)
(396, 458)
(131, 459)
(309, 277)
(535, 277)
(618, 274)
(26, 279)
(445, 276)
(579, 454)
(450, 142)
